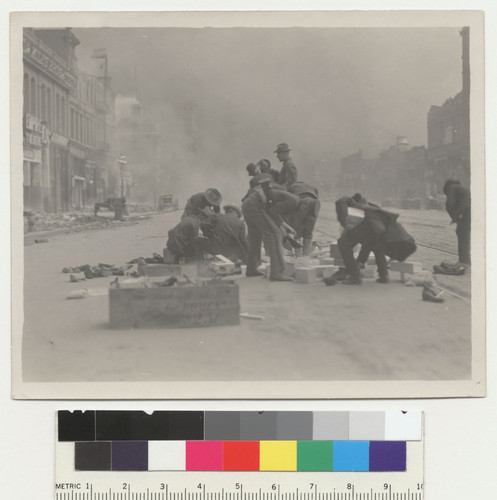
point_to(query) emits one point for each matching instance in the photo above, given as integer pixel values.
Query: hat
(282, 147)
(234, 208)
(213, 196)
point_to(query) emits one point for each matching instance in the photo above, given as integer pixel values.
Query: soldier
(288, 173)
(210, 198)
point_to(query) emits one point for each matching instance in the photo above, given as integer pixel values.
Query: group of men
(279, 211)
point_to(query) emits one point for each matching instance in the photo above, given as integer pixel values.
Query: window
(32, 97)
(43, 99)
(63, 115)
(49, 107)
(73, 125)
(57, 113)
(25, 92)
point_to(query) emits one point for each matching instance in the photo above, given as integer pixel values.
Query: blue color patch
(351, 455)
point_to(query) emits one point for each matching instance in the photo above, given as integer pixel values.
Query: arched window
(57, 113)
(43, 98)
(49, 107)
(32, 97)
(25, 93)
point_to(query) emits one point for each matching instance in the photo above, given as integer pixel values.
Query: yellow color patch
(278, 455)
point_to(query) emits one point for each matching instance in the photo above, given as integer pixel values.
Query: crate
(159, 270)
(213, 303)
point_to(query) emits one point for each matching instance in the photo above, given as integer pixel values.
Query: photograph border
(475, 387)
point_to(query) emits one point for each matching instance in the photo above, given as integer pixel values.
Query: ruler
(172, 485)
(73, 482)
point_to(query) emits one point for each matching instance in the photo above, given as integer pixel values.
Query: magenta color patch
(204, 455)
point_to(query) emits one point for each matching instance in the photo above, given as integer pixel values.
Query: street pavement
(308, 332)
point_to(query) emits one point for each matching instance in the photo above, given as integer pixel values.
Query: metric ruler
(95, 463)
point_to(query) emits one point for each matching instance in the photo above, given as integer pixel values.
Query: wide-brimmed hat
(234, 208)
(282, 147)
(213, 196)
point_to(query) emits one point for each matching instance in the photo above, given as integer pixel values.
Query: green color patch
(314, 455)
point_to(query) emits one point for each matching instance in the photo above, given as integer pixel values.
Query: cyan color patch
(351, 455)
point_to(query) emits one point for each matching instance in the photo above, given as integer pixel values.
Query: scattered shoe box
(329, 271)
(320, 270)
(367, 272)
(305, 275)
(406, 267)
(327, 261)
(289, 268)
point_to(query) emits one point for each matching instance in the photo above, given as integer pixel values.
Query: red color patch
(241, 455)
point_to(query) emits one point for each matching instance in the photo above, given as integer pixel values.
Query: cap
(234, 208)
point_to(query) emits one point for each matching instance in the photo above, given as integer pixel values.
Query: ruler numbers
(348, 491)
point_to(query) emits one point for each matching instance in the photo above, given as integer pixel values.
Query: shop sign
(37, 54)
(32, 155)
(33, 139)
(33, 123)
(59, 140)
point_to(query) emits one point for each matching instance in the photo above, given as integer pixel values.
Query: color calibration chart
(239, 455)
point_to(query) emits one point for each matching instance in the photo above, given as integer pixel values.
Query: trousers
(463, 232)
(261, 227)
(367, 236)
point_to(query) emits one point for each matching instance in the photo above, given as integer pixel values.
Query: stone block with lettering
(305, 275)
(213, 303)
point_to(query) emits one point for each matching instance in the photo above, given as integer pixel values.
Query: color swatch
(239, 441)
(239, 426)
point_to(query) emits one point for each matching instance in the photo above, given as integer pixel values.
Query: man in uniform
(288, 173)
(210, 198)
(368, 233)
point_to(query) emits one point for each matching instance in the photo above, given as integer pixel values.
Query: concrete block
(159, 270)
(327, 261)
(406, 267)
(334, 251)
(368, 272)
(321, 269)
(212, 304)
(267, 271)
(289, 268)
(329, 271)
(305, 275)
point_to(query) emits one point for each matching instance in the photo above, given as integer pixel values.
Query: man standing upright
(458, 207)
(288, 173)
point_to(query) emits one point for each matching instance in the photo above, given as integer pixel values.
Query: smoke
(227, 97)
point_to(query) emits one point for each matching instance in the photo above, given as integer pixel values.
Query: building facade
(68, 122)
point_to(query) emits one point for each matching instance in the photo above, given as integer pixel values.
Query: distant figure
(225, 235)
(265, 168)
(458, 206)
(210, 198)
(288, 173)
(181, 239)
(369, 233)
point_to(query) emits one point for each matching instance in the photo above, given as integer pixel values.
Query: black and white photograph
(249, 205)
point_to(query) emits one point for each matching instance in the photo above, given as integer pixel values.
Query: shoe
(251, 274)
(431, 295)
(282, 277)
(330, 281)
(383, 279)
(352, 281)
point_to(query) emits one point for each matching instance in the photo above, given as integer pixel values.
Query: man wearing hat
(181, 240)
(210, 198)
(288, 173)
(225, 235)
(233, 210)
(262, 228)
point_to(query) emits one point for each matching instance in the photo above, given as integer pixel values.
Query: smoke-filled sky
(326, 91)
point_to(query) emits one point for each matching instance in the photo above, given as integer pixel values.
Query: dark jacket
(288, 173)
(458, 202)
(303, 190)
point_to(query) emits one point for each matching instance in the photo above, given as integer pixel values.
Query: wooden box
(214, 303)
